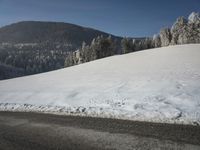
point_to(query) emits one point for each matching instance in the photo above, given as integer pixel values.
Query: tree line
(32, 59)
(100, 47)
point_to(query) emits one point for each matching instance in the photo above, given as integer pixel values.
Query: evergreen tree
(127, 45)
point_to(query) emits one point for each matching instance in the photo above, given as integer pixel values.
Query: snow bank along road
(32, 131)
(158, 85)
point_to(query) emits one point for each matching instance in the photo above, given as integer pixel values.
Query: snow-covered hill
(161, 85)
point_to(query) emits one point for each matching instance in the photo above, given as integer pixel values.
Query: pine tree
(127, 45)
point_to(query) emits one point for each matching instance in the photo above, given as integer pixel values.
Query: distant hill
(48, 32)
(35, 46)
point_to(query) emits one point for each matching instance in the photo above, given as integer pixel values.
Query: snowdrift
(160, 85)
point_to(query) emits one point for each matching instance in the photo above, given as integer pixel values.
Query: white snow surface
(159, 85)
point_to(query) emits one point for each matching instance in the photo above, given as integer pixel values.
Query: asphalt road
(33, 131)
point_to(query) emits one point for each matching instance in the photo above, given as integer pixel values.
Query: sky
(133, 18)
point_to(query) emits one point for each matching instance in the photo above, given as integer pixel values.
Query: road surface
(34, 131)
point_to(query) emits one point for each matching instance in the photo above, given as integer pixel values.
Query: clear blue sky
(134, 18)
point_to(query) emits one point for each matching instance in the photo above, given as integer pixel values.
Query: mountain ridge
(40, 46)
(48, 31)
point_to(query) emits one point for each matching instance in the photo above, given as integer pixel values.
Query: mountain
(160, 85)
(37, 47)
(48, 32)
